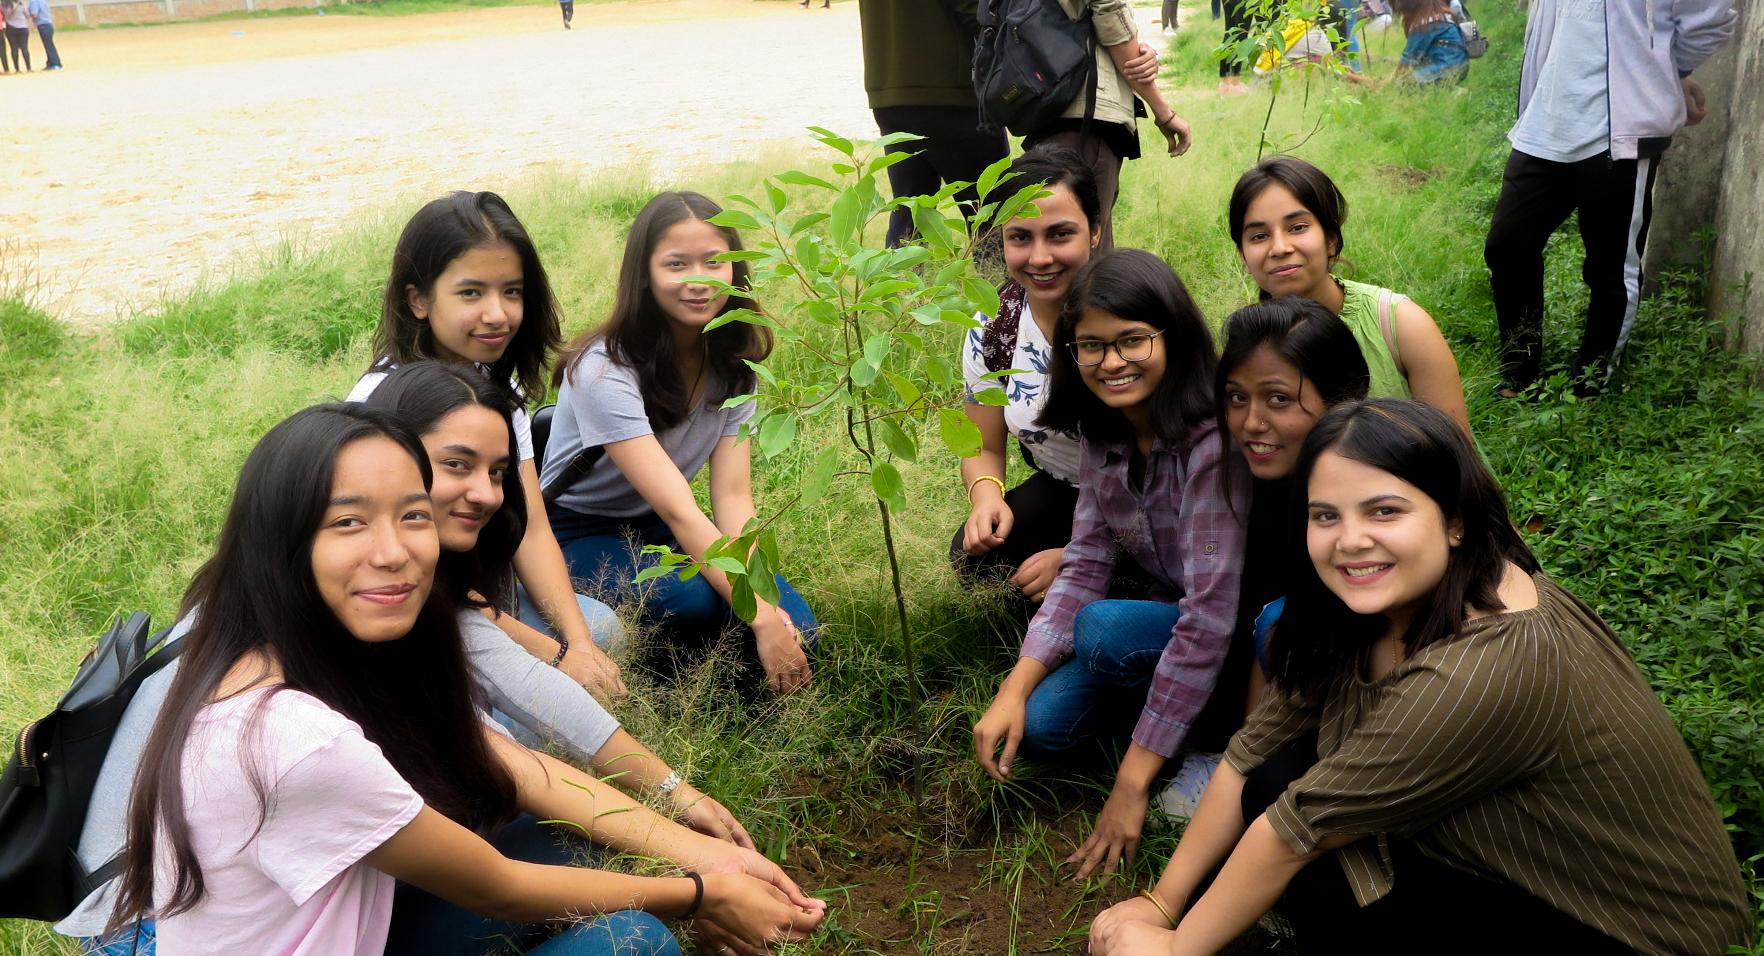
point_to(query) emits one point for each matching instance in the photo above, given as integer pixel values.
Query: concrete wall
(1713, 179)
(99, 12)
(1736, 293)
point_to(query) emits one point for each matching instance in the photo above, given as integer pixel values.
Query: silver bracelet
(668, 785)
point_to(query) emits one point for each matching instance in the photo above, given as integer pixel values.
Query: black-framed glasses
(1132, 347)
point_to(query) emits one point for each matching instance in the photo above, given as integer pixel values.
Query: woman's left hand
(704, 814)
(719, 857)
(1132, 939)
(1176, 133)
(1117, 832)
(781, 653)
(1037, 573)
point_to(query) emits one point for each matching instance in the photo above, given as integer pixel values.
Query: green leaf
(876, 349)
(691, 572)
(982, 294)
(863, 374)
(908, 392)
(886, 288)
(734, 219)
(738, 400)
(885, 481)
(844, 169)
(959, 319)
(809, 221)
(907, 257)
(960, 435)
(777, 433)
(761, 577)
(797, 177)
(741, 598)
(778, 197)
(845, 216)
(886, 160)
(832, 139)
(741, 255)
(728, 565)
(939, 370)
(898, 441)
(934, 229)
(652, 572)
(892, 139)
(762, 371)
(820, 478)
(993, 397)
(991, 176)
(824, 311)
(808, 252)
(740, 315)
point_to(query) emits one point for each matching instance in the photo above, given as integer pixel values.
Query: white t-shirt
(1055, 452)
(523, 426)
(296, 885)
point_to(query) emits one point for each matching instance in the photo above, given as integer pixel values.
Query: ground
(200, 145)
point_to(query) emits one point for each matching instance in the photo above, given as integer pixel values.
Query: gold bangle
(996, 481)
(1161, 908)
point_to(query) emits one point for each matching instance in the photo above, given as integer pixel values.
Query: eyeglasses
(1133, 347)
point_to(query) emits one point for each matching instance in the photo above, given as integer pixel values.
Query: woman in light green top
(1286, 217)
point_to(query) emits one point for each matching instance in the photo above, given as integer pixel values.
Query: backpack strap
(575, 471)
(168, 652)
(1387, 325)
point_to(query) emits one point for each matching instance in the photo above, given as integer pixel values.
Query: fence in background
(96, 12)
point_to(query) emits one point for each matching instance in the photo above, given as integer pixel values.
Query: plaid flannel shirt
(1186, 529)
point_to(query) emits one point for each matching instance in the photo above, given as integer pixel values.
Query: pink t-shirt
(295, 885)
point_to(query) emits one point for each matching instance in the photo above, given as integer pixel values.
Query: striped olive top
(1527, 749)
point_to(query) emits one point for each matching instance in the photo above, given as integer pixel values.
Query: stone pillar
(1688, 188)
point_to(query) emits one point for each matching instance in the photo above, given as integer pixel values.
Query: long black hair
(1319, 640)
(1135, 285)
(412, 696)
(637, 333)
(440, 232)
(1053, 165)
(420, 395)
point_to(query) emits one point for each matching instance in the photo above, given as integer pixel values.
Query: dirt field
(166, 153)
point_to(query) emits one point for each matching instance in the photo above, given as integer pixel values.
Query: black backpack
(1030, 62)
(48, 781)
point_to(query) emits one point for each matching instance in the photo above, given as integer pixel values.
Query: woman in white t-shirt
(1020, 533)
(467, 286)
(319, 744)
(641, 409)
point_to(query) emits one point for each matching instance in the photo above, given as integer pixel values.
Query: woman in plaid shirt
(1134, 377)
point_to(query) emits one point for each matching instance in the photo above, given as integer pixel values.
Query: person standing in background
(18, 33)
(918, 72)
(569, 11)
(39, 12)
(1168, 18)
(1605, 85)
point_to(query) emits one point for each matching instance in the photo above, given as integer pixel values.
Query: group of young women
(348, 756)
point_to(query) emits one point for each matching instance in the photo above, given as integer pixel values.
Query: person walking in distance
(918, 63)
(1604, 87)
(38, 10)
(569, 11)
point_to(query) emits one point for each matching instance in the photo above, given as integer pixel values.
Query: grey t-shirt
(1568, 117)
(600, 403)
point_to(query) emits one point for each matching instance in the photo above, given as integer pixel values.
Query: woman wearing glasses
(1132, 375)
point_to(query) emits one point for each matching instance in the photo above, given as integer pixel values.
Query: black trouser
(51, 59)
(1235, 23)
(569, 10)
(1167, 17)
(18, 40)
(953, 150)
(1615, 202)
(1431, 908)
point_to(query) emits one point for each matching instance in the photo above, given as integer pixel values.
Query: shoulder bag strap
(575, 471)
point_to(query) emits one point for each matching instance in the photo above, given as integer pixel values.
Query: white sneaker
(1183, 795)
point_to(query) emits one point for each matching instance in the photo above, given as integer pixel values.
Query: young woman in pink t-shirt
(319, 745)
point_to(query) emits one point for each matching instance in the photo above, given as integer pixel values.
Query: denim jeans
(426, 924)
(133, 940)
(1093, 700)
(603, 621)
(688, 616)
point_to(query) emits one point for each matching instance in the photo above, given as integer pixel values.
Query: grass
(121, 449)
(352, 8)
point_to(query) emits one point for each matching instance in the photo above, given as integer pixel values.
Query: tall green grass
(120, 450)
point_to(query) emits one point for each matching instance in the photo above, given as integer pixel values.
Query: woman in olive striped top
(1455, 754)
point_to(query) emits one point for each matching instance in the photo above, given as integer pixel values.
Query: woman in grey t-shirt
(649, 388)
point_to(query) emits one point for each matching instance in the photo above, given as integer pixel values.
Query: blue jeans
(123, 942)
(688, 616)
(1093, 700)
(1349, 13)
(603, 621)
(426, 924)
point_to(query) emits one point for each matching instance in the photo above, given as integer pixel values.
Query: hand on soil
(1037, 574)
(989, 523)
(747, 914)
(1001, 724)
(1116, 835)
(596, 672)
(781, 653)
(1106, 932)
(1133, 938)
